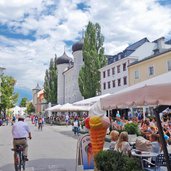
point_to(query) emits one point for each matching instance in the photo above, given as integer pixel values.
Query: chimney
(160, 44)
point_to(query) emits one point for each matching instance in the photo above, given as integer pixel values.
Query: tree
(50, 83)
(8, 97)
(30, 108)
(94, 59)
(23, 102)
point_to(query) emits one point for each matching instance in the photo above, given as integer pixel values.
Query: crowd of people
(148, 134)
(7, 120)
(146, 127)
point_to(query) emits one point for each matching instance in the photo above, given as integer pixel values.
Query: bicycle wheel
(23, 162)
(17, 162)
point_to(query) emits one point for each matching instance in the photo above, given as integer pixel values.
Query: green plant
(131, 128)
(116, 161)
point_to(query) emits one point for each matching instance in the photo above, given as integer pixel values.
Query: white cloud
(122, 23)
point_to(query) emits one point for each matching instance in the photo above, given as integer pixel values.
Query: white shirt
(20, 130)
(75, 123)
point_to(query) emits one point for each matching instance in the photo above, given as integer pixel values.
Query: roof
(128, 51)
(150, 57)
(64, 59)
(78, 45)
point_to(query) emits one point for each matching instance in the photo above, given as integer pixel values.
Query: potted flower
(133, 131)
(131, 128)
(116, 161)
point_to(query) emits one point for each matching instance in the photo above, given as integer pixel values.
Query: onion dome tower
(77, 51)
(62, 63)
(64, 59)
(78, 46)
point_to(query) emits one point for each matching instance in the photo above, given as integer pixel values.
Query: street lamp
(1, 73)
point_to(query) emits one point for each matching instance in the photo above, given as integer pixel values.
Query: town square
(85, 85)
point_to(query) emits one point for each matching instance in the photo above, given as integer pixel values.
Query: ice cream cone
(97, 137)
(89, 157)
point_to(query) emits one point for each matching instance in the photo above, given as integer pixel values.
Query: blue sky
(32, 32)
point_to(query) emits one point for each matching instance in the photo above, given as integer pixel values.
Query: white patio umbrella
(89, 101)
(73, 108)
(55, 108)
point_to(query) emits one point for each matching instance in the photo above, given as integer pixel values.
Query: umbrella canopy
(54, 108)
(159, 94)
(72, 108)
(90, 101)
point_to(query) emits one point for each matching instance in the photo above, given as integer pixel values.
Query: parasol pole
(157, 110)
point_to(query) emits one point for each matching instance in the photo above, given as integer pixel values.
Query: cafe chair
(160, 161)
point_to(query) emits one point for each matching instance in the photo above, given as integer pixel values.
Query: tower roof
(78, 45)
(37, 87)
(64, 59)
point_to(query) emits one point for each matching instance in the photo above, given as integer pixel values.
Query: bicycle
(19, 159)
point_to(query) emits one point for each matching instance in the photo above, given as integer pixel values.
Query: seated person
(114, 137)
(122, 144)
(146, 130)
(118, 124)
(156, 146)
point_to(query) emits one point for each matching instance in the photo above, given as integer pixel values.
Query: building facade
(150, 67)
(115, 76)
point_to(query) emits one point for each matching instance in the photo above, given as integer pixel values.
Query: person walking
(76, 126)
(20, 132)
(40, 123)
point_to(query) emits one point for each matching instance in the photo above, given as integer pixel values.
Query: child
(114, 137)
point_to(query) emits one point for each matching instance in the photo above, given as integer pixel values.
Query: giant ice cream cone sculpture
(98, 128)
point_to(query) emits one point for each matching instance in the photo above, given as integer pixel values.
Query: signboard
(84, 154)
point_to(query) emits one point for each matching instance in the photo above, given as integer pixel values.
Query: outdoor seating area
(136, 135)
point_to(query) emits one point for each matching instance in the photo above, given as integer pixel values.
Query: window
(125, 80)
(136, 76)
(104, 74)
(119, 82)
(104, 86)
(108, 83)
(151, 70)
(113, 71)
(124, 67)
(108, 72)
(169, 65)
(113, 83)
(118, 69)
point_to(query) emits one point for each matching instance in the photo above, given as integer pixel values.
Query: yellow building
(149, 67)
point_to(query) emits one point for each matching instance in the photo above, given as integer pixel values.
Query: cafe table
(143, 154)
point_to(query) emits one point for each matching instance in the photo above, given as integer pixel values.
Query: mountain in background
(23, 92)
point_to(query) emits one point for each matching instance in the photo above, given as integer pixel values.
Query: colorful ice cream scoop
(95, 122)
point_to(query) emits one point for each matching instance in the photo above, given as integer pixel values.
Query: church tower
(77, 51)
(34, 95)
(62, 63)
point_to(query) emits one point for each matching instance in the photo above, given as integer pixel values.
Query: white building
(114, 76)
(68, 73)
